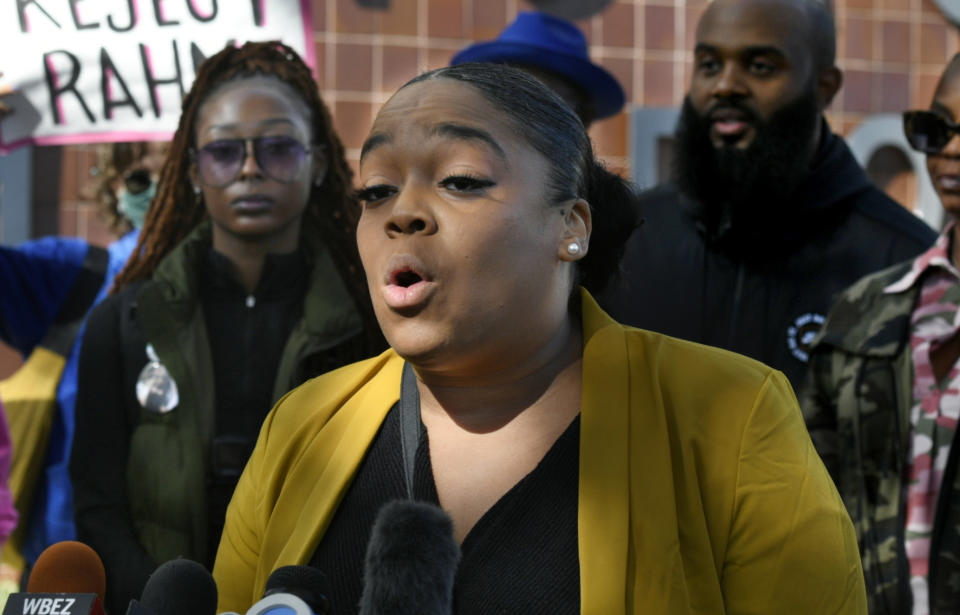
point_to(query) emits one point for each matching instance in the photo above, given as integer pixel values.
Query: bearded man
(768, 215)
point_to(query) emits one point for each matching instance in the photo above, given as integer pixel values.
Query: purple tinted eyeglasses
(280, 158)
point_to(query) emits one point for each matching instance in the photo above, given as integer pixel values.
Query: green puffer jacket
(163, 497)
(856, 403)
(166, 470)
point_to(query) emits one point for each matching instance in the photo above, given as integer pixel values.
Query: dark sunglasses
(927, 131)
(280, 158)
(137, 180)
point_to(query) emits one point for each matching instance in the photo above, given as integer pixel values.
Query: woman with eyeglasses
(883, 396)
(245, 282)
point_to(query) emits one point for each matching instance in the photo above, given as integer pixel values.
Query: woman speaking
(587, 467)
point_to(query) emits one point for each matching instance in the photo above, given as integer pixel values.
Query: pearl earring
(573, 248)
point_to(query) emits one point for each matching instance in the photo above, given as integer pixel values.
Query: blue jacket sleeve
(35, 278)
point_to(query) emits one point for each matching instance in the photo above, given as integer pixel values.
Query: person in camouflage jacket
(856, 405)
(881, 399)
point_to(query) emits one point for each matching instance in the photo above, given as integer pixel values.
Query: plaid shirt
(935, 405)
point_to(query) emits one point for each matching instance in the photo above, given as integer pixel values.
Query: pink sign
(89, 71)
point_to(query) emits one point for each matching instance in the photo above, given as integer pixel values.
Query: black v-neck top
(521, 556)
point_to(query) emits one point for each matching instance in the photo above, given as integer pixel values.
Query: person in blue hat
(554, 51)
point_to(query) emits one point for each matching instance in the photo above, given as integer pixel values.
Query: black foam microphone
(177, 587)
(411, 561)
(292, 590)
(304, 582)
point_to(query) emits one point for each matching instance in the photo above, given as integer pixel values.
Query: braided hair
(332, 210)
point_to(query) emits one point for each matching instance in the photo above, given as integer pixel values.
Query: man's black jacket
(762, 289)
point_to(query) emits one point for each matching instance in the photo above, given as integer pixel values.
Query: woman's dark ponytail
(614, 205)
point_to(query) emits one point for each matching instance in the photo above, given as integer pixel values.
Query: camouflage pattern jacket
(856, 403)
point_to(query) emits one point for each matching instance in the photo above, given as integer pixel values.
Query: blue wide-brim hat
(554, 44)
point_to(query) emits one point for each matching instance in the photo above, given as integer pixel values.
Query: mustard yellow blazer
(700, 491)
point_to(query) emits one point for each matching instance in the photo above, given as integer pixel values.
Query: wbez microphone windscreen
(67, 579)
(293, 590)
(411, 561)
(177, 587)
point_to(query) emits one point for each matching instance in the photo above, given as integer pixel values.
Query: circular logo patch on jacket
(801, 333)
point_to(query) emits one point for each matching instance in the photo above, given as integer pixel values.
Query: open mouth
(730, 125)
(408, 284)
(730, 128)
(405, 278)
(949, 182)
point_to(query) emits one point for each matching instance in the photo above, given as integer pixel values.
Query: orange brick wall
(892, 52)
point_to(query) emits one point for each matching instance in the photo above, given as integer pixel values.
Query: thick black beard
(749, 187)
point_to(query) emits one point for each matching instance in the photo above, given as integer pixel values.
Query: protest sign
(116, 70)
